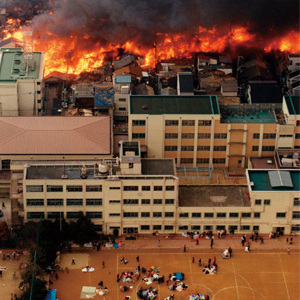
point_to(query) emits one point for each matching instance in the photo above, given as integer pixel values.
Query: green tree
(4, 231)
(39, 291)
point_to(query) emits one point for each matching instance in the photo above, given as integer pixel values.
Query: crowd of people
(147, 293)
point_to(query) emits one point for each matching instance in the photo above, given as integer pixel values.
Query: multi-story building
(21, 83)
(197, 131)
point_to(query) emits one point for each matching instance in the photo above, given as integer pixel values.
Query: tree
(4, 231)
(39, 291)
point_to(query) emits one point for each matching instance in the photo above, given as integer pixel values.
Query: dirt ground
(261, 274)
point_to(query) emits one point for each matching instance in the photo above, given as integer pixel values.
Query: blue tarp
(104, 96)
(51, 295)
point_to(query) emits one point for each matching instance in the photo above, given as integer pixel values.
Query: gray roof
(213, 196)
(173, 104)
(293, 104)
(186, 82)
(158, 166)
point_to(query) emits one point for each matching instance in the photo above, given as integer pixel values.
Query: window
(169, 214)
(220, 135)
(146, 188)
(170, 148)
(168, 227)
(298, 123)
(157, 201)
(203, 148)
(94, 188)
(114, 188)
(296, 228)
(297, 136)
(169, 201)
(122, 108)
(255, 228)
(184, 227)
(145, 227)
(98, 227)
(76, 202)
(195, 227)
(187, 135)
(145, 215)
(122, 99)
(269, 136)
(145, 201)
(188, 123)
(257, 215)
(5, 164)
(114, 215)
(186, 160)
(246, 215)
(130, 201)
(267, 202)
(204, 123)
(256, 136)
(171, 123)
(219, 148)
(208, 227)
(35, 215)
(157, 214)
(138, 123)
(157, 188)
(55, 215)
(285, 135)
(219, 160)
(296, 201)
(94, 215)
(280, 215)
(202, 160)
(187, 148)
(171, 136)
(221, 215)
(55, 202)
(114, 201)
(257, 201)
(254, 148)
(34, 188)
(233, 215)
(130, 214)
(245, 227)
(268, 148)
(220, 227)
(93, 202)
(130, 188)
(233, 227)
(35, 202)
(183, 215)
(296, 215)
(170, 188)
(156, 227)
(204, 136)
(196, 215)
(138, 135)
(54, 188)
(74, 188)
(73, 214)
(208, 215)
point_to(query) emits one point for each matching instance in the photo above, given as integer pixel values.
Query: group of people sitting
(221, 233)
(124, 260)
(152, 275)
(199, 297)
(130, 276)
(210, 269)
(147, 294)
(178, 286)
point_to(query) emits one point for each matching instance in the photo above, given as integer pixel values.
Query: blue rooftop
(123, 79)
(104, 96)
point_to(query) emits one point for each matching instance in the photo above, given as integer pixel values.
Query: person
(14, 275)
(103, 265)
(247, 249)
(209, 261)
(193, 260)
(3, 205)
(184, 248)
(125, 261)
(230, 251)
(158, 243)
(287, 240)
(199, 262)
(56, 276)
(211, 243)
(73, 261)
(291, 241)
(261, 240)
(67, 269)
(288, 250)
(138, 259)
(197, 241)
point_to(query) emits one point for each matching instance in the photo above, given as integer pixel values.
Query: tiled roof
(54, 135)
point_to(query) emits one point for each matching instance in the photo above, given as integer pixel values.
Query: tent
(51, 295)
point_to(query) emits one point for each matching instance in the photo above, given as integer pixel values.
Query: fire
(76, 55)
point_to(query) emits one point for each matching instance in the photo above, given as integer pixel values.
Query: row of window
(58, 215)
(60, 202)
(59, 188)
(264, 148)
(192, 135)
(198, 227)
(202, 160)
(147, 201)
(191, 148)
(91, 188)
(187, 123)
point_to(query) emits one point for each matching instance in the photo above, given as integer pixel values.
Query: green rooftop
(263, 181)
(12, 67)
(174, 105)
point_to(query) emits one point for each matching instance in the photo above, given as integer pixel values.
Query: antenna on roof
(28, 47)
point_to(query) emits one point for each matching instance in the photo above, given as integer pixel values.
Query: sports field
(261, 274)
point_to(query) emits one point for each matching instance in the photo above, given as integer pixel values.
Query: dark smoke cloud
(117, 21)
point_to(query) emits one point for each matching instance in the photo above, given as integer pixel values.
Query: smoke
(117, 21)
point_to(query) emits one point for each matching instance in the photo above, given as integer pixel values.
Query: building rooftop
(270, 180)
(173, 104)
(158, 166)
(55, 135)
(186, 82)
(266, 93)
(123, 79)
(213, 196)
(263, 163)
(293, 104)
(12, 66)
